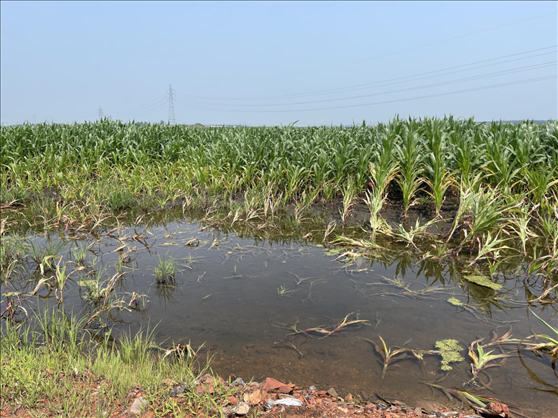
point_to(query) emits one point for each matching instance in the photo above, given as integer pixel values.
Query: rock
(232, 400)
(205, 385)
(177, 390)
(418, 411)
(312, 388)
(228, 411)
(321, 393)
(238, 382)
(206, 378)
(274, 385)
(138, 406)
(500, 409)
(370, 407)
(349, 398)
(242, 408)
(332, 392)
(429, 406)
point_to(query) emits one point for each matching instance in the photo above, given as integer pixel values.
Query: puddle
(233, 294)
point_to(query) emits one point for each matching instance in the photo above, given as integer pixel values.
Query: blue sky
(228, 61)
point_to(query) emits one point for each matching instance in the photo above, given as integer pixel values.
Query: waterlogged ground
(239, 296)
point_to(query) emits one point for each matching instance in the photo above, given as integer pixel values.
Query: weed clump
(165, 271)
(483, 281)
(120, 199)
(449, 350)
(455, 302)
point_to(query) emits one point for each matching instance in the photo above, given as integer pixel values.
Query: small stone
(500, 409)
(242, 408)
(232, 400)
(229, 411)
(274, 385)
(370, 407)
(349, 398)
(332, 392)
(418, 411)
(238, 382)
(206, 378)
(178, 390)
(312, 388)
(138, 406)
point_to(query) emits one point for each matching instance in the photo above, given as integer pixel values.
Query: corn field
(503, 176)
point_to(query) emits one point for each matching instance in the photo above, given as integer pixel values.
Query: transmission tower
(100, 114)
(171, 97)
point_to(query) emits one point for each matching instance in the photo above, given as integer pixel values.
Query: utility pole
(172, 121)
(100, 114)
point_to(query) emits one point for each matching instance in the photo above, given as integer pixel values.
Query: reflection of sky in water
(227, 295)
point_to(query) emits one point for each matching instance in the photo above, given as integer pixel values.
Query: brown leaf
(256, 397)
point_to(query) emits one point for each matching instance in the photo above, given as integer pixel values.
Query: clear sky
(228, 61)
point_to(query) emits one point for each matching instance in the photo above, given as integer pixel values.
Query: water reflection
(248, 293)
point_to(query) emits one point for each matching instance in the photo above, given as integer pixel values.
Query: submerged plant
(349, 194)
(324, 331)
(481, 360)
(551, 344)
(80, 254)
(45, 255)
(388, 354)
(479, 403)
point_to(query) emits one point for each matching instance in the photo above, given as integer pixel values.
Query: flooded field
(283, 308)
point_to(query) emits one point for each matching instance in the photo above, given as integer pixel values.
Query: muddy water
(237, 295)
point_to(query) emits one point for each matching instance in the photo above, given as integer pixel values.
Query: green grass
(165, 271)
(56, 368)
(121, 199)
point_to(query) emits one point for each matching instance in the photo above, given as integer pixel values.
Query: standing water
(283, 307)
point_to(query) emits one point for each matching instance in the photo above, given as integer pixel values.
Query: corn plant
(410, 156)
(438, 175)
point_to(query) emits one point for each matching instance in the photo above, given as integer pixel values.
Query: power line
(162, 98)
(442, 83)
(157, 104)
(160, 105)
(392, 53)
(392, 81)
(525, 81)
